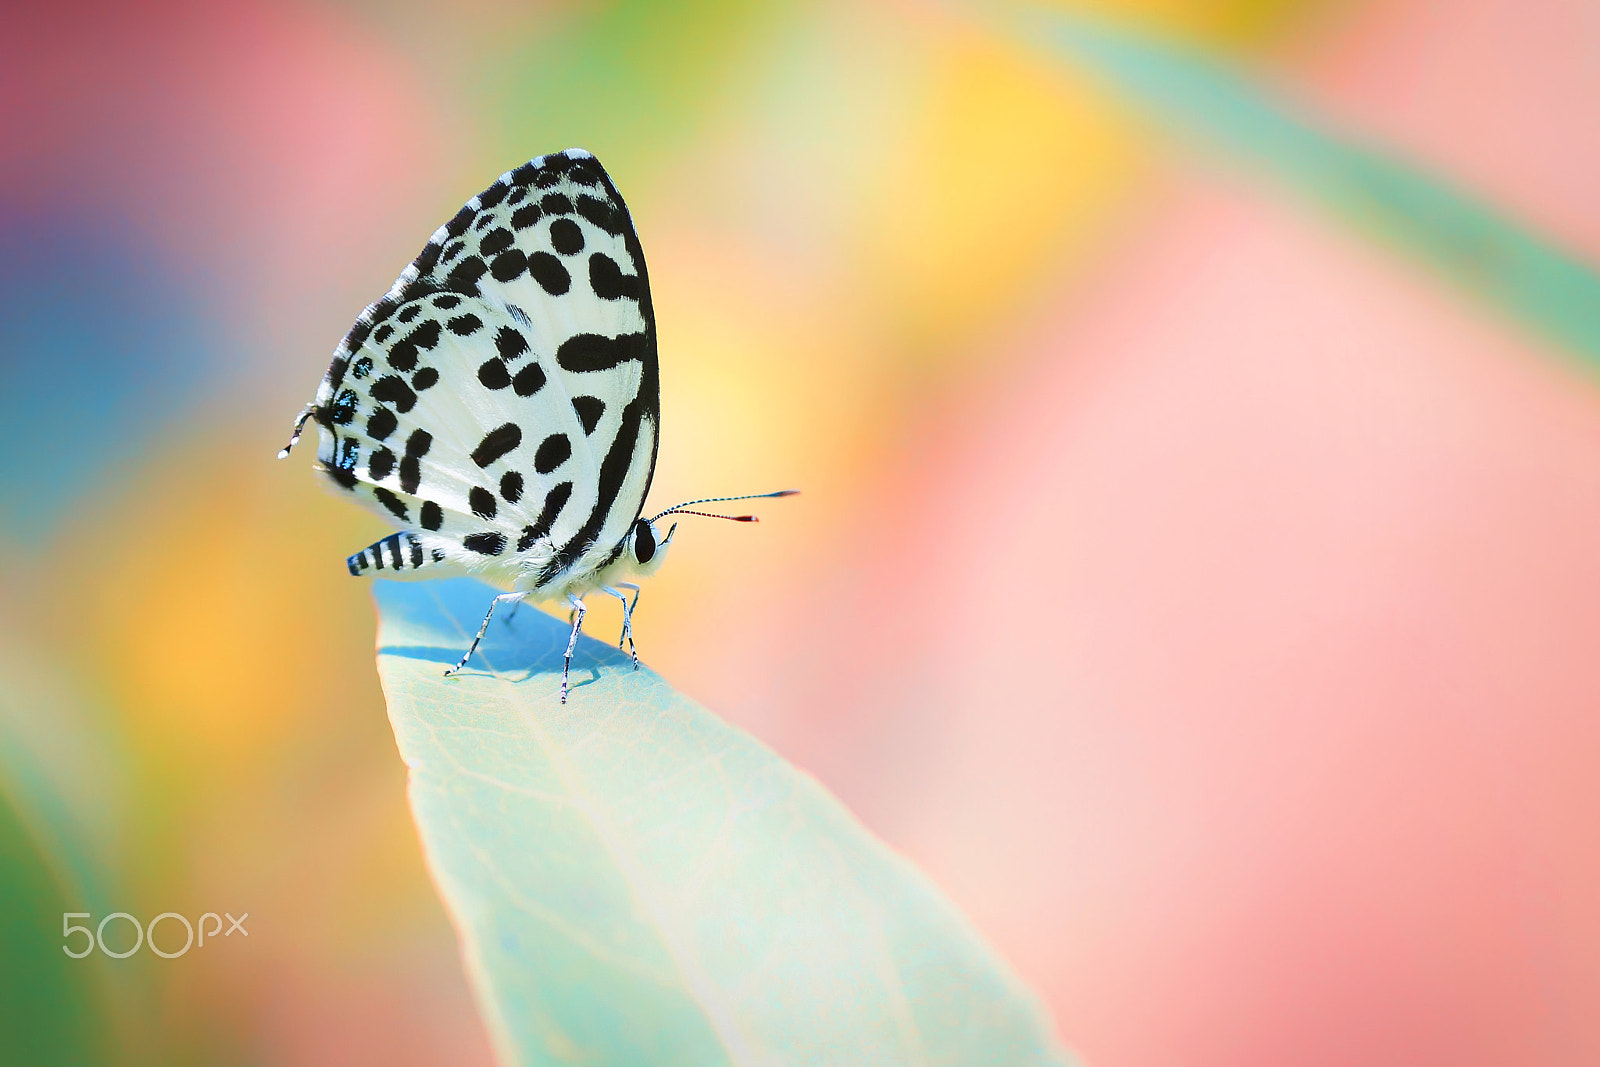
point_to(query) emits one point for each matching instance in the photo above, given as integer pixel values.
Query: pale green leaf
(636, 882)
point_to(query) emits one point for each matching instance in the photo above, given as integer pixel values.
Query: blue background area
(101, 342)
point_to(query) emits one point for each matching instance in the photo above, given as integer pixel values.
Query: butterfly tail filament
(299, 426)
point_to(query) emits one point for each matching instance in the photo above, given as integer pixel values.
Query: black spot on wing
(465, 325)
(601, 213)
(382, 424)
(482, 502)
(584, 172)
(492, 373)
(566, 237)
(511, 486)
(556, 204)
(361, 368)
(463, 277)
(426, 378)
(509, 265)
(346, 454)
(585, 352)
(432, 515)
(553, 452)
(589, 410)
(395, 505)
(549, 273)
(529, 380)
(526, 216)
(380, 465)
(488, 544)
(417, 446)
(496, 443)
(554, 501)
(403, 355)
(343, 409)
(425, 335)
(496, 240)
(392, 389)
(607, 279)
(510, 343)
(492, 195)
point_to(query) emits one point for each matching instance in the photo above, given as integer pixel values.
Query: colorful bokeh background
(1198, 584)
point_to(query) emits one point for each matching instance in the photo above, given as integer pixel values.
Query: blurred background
(1195, 572)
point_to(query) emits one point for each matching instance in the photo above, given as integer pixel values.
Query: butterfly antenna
(683, 508)
(299, 424)
(711, 515)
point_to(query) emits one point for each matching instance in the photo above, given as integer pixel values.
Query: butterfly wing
(502, 402)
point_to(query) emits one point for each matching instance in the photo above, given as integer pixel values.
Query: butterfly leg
(510, 598)
(627, 617)
(577, 624)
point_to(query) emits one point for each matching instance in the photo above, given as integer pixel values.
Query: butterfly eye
(644, 541)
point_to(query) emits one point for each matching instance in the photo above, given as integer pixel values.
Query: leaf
(1468, 242)
(636, 882)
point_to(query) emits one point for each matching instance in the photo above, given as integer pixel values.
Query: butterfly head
(646, 547)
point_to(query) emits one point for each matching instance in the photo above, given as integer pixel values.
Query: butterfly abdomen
(399, 555)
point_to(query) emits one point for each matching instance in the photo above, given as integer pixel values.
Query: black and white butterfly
(501, 403)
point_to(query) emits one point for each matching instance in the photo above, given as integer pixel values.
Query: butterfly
(502, 404)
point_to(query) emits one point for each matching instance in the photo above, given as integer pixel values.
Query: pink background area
(1232, 660)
